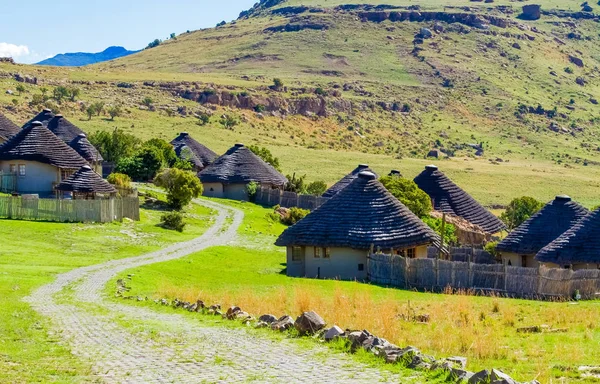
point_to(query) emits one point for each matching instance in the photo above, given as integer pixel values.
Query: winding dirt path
(184, 351)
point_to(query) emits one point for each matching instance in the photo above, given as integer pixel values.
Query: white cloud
(12, 50)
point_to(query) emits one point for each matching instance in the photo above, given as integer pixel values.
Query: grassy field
(252, 275)
(33, 253)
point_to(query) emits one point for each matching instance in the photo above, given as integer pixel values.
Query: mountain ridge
(78, 59)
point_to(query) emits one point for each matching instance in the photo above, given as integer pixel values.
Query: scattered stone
(232, 312)
(458, 360)
(333, 333)
(461, 375)
(499, 377)
(425, 33)
(535, 328)
(576, 60)
(516, 45)
(9, 92)
(593, 101)
(480, 377)
(580, 80)
(531, 12)
(283, 323)
(309, 323)
(269, 319)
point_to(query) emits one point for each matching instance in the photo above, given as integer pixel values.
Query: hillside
(82, 58)
(511, 102)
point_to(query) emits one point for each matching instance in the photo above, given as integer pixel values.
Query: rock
(593, 101)
(480, 377)
(269, 319)
(576, 60)
(535, 328)
(516, 46)
(458, 360)
(232, 312)
(9, 92)
(499, 377)
(283, 323)
(425, 33)
(580, 80)
(309, 323)
(438, 28)
(262, 324)
(587, 8)
(420, 361)
(434, 153)
(333, 333)
(531, 12)
(357, 338)
(461, 375)
(407, 355)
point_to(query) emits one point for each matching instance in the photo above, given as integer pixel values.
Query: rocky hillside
(83, 58)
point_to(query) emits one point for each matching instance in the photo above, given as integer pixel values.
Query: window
(361, 267)
(411, 253)
(21, 169)
(326, 253)
(13, 169)
(318, 252)
(297, 253)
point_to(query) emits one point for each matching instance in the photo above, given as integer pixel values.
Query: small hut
(449, 198)
(86, 184)
(86, 150)
(189, 149)
(43, 117)
(228, 176)
(63, 128)
(346, 180)
(38, 159)
(334, 240)
(7, 128)
(521, 245)
(577, 248)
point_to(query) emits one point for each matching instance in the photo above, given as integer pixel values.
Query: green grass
(33, 253)
(252, 275)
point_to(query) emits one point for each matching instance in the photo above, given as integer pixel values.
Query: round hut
(7, 129)
(521, 245)
(86, 150)
(577, 248)
(85, 184)
(228, 176)
(346, 180)
(334, 240)
(450, 199)
(43, 117)
(189, 149)
(63, 128)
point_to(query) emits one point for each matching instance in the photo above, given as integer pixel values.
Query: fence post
(505, 276)
(406, 267)
(539, 279)
(437, 272)
(470, 275)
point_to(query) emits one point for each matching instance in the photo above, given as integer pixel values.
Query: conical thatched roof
(362, 214)
(37, 143)
(43, 117)
(63, 128)
(542, 228)
(241, 165)
(189, 149)
(7, 128)
(85, 180)
(346, 180)
(449, 198)
(579, 244)
(85, 149)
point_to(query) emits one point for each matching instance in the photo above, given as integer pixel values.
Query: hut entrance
(8, 182)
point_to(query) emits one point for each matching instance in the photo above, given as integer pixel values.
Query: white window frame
(22, 170)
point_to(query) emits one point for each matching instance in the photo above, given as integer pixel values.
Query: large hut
(346, 180)
(63, 128)
(86, 184)
(189, 149)
(577, 248)
(228, 176)
(86, 150)
(7, 128)
(38, 160)
(334, 240)
(449, 198)
(43, 117)
(521, 245)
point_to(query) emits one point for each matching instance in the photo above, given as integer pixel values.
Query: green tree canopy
(519, 210)
(169, 157)
(143, 165)
(181, 186)
(115, 145)
(409, 194)
(316, 188)
(266, 155)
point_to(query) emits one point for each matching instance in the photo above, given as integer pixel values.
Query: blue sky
(93, 25)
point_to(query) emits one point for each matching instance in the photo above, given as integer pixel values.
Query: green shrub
(120, 180)
(409, 194)
(316, 188)
(266, 156)
(251, 190)
(294, 215)
(519, 210)
(295, 184)
(449, 229)
(173, 221)
(259, 108)
(181, 186)
(491, 248)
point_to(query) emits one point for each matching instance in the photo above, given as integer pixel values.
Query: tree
(203, 118)
(295, 184)
(20, 88)
(519, 210)
(450, 237)
(169, 157)
(147, 101)
(409, 194)
(114, 111)
(277, 83)
(90, 110)
(228, 122)
(266, 156)
(73, 92)
(98, 107)
(115, 145)
(59, 93)
(154, 43)
(143, 165)
(173, 36)
(181, 186)
(316, 188)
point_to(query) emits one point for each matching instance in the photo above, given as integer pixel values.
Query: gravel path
(185, 350)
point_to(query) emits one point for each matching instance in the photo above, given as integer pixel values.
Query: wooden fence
(437, 275)
(472, 254)
(271, 197)
(85, 211)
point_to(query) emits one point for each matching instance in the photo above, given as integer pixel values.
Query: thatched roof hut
(63, 128)
(239, 165)
(360, 215)
(36, 143)
(578, 245)
(7, 128)
(86, 182)
(85, 149)
(346, 180)
(189, 149)
(449, 198)
(43, 117)
(545, 226)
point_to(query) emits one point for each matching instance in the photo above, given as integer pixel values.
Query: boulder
(407, 355)
(283, 323)
(333, 333)
(576, 60)
(269, 319)
(480, 377)
(499, 377)
(531, 12)
(458, 361)
(516, 45)
(587, 8)
(461, 375)
(232, 312)
(425, 33)
(309, 323)
(581, 81)
(357, 338)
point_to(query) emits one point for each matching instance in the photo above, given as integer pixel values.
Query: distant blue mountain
(82, 58)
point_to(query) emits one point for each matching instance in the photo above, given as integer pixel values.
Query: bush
(491, 248)
(519, 210)
(181, 186)
(115, 145)
(120, 180)
(228, 122)
(266, 156)
(154, 43)
(277, 83)
(203, 118)
(294, 215)
(173, 221)
(143, 165)
(320, 91)
(251, 190)
(316, 188)
(295, 184)
(259, 108)
(449, 229)
(169, 157)
(568, 69)
(409, 194)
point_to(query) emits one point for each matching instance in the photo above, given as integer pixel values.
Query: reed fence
(271, 197)
(438, 275)
(84, 211)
